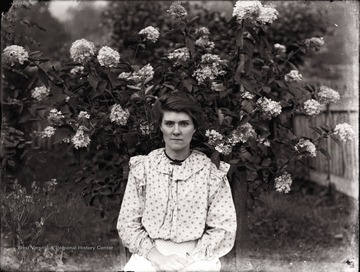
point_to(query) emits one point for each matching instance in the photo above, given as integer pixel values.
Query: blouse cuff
(145, 247)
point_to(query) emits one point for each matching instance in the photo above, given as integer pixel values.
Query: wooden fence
(343, 166)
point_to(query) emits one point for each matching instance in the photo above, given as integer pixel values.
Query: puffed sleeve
(131, 231)
(220, 230)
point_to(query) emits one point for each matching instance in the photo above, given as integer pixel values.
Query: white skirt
(138, 263)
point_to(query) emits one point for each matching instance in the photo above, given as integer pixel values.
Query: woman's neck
(179, 155)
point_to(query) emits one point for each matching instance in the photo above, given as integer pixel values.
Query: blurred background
(326, 195)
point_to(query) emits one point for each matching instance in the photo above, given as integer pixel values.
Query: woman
(177, 213)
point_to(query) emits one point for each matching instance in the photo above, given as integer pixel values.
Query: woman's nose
(176, 130)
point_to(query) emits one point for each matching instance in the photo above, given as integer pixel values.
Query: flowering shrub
(100, 105)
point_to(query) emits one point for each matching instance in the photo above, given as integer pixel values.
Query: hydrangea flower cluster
(82, 50)
(293, 76)
(312, 107)
(283, 183)
(307, 146)
(14, 54)
(254, 11)
(48, 132)
(81, 138)
(280, 48)
(108, 57)
(77, 70)
(327, 95)
(145, 73)
(177, 10)
(268, 107)
(180, 54)
(83, 114)
(210, 67)
(202, 31)
(213, 136)
(150, 34)
(246, 10)
(55, 117)
(345, 132)
(39, 93)
(203, 39)
(267, 15)
(205, 43)
(314, 43)
(223, 148)
(224, 145)
(118, 115)
(242, 134)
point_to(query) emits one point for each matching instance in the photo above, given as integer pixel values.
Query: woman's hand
(166, 263)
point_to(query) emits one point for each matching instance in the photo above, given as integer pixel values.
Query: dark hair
(178, 102)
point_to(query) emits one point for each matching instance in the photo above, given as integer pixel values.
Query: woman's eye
(183, 124)
(169, 124)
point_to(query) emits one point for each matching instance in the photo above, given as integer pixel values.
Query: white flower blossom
(118, 115)
(312, 107)
(223, 148)
(83, 114)
(150, 34)
(314, 43)
(267, 15)
(180, 54)
(82, 50)
(247, 9)
(48, 132)
(39, 93)
(177, 10)
(77, 70)
(202, 31)
(205, 43)
(144, 74)
(14, 54)
(67, 98)
(217, 87)
(81, 138)
(264, 141)
(210, 67)
(66, 140)
(328, 95)
(242, 134)
(293, 76)
(247, 95)
(213, 136)
(55, 117)
(279, 47)
(268, 107)
(283, 183)
(306, 145)
(345, 132)
(108, 57)
(125, 75)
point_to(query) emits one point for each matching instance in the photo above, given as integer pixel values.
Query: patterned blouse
(187, 202)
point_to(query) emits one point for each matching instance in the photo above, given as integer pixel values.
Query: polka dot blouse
(187, 202)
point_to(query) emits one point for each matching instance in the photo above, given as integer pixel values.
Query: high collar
(191, 165)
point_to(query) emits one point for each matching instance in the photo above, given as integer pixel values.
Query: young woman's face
(178, 130)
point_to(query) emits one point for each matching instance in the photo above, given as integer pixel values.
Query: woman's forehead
(176, 116)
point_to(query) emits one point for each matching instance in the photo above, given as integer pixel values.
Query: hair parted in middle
(178, 102)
